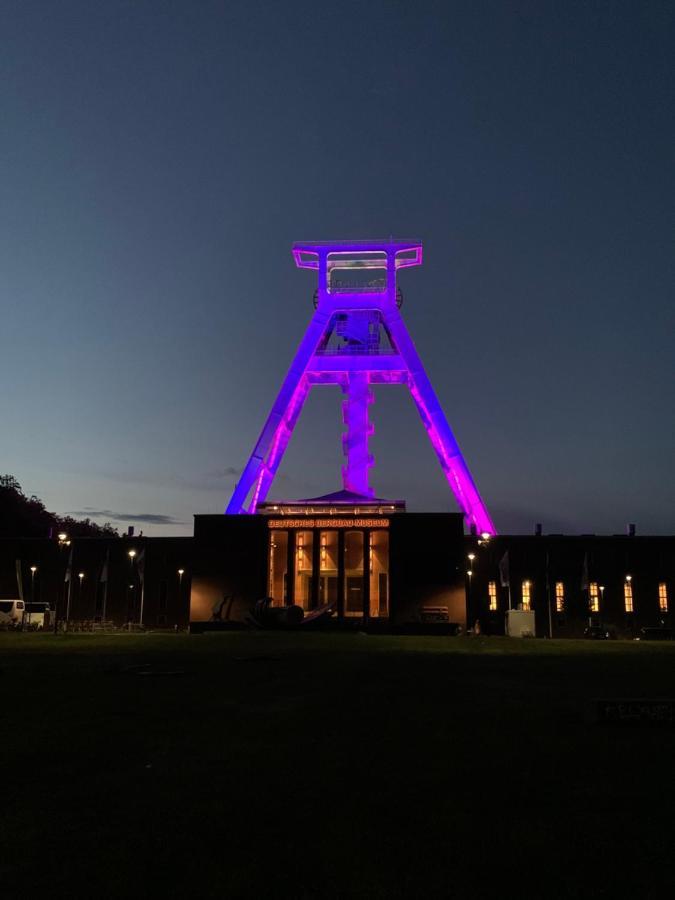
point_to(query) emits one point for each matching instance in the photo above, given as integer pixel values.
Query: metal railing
(359, 290)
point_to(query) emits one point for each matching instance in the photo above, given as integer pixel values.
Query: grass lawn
(286, 765)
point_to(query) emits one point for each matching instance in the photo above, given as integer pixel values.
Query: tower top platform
(358, 254)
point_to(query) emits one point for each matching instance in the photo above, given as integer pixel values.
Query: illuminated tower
(356, 339)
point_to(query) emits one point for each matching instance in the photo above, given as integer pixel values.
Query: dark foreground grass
(331, 766)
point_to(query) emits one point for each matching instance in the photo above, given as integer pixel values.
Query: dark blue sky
(157, 159)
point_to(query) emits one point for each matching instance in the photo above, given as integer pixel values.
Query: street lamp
(601, 588)
(33, 570)
(629, 578)
(63, 543)
(80, 575)
(469, 573)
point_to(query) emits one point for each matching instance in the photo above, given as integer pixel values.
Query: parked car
(599, 633)
(656, 633)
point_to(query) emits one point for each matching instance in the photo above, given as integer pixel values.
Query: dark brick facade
(227, 560)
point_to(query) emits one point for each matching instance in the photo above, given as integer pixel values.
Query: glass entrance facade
(345, 567)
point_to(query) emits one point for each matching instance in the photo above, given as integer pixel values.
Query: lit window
(663, 597)
(628, 596)
(559, 597)
(304, 552)
(353, 581)
(593, 596)
(492, 594)
(526, 595)
(278, 567)
(378, 554)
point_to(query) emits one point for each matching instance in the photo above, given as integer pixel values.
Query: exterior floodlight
(132, 553)
(356, 339)
(629, 577)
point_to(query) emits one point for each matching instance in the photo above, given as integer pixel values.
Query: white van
(11, 612)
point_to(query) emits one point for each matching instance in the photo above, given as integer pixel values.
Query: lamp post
(469, 573)
(80, 576)
(63, 543)
(33, 570)
(130, 601)
(601, 588)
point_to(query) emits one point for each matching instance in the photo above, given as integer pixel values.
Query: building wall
(230, 561)
(545, 560)
(427, 566)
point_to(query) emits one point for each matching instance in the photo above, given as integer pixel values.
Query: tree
(22, 516)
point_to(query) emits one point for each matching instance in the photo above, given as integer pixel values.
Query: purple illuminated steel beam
(273, 436)
(440, 434)
(280, 442)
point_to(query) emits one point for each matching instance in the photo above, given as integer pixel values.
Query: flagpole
(105, 602)
(69, 579)
(104, 571)
(140, 568)
(505, 574)
(548, 598)
(70, 585)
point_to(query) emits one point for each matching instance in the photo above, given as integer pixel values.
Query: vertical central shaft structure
(356, 416)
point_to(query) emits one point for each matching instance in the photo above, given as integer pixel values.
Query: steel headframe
(355, 339)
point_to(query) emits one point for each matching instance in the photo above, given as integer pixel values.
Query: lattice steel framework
(355, 339)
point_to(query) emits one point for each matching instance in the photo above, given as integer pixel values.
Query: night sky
(158, 159)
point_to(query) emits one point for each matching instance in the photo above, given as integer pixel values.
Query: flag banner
(140, 565)
(504, 577)
(19, 579)
(584, 574)
(104, 571)
(69, 569)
